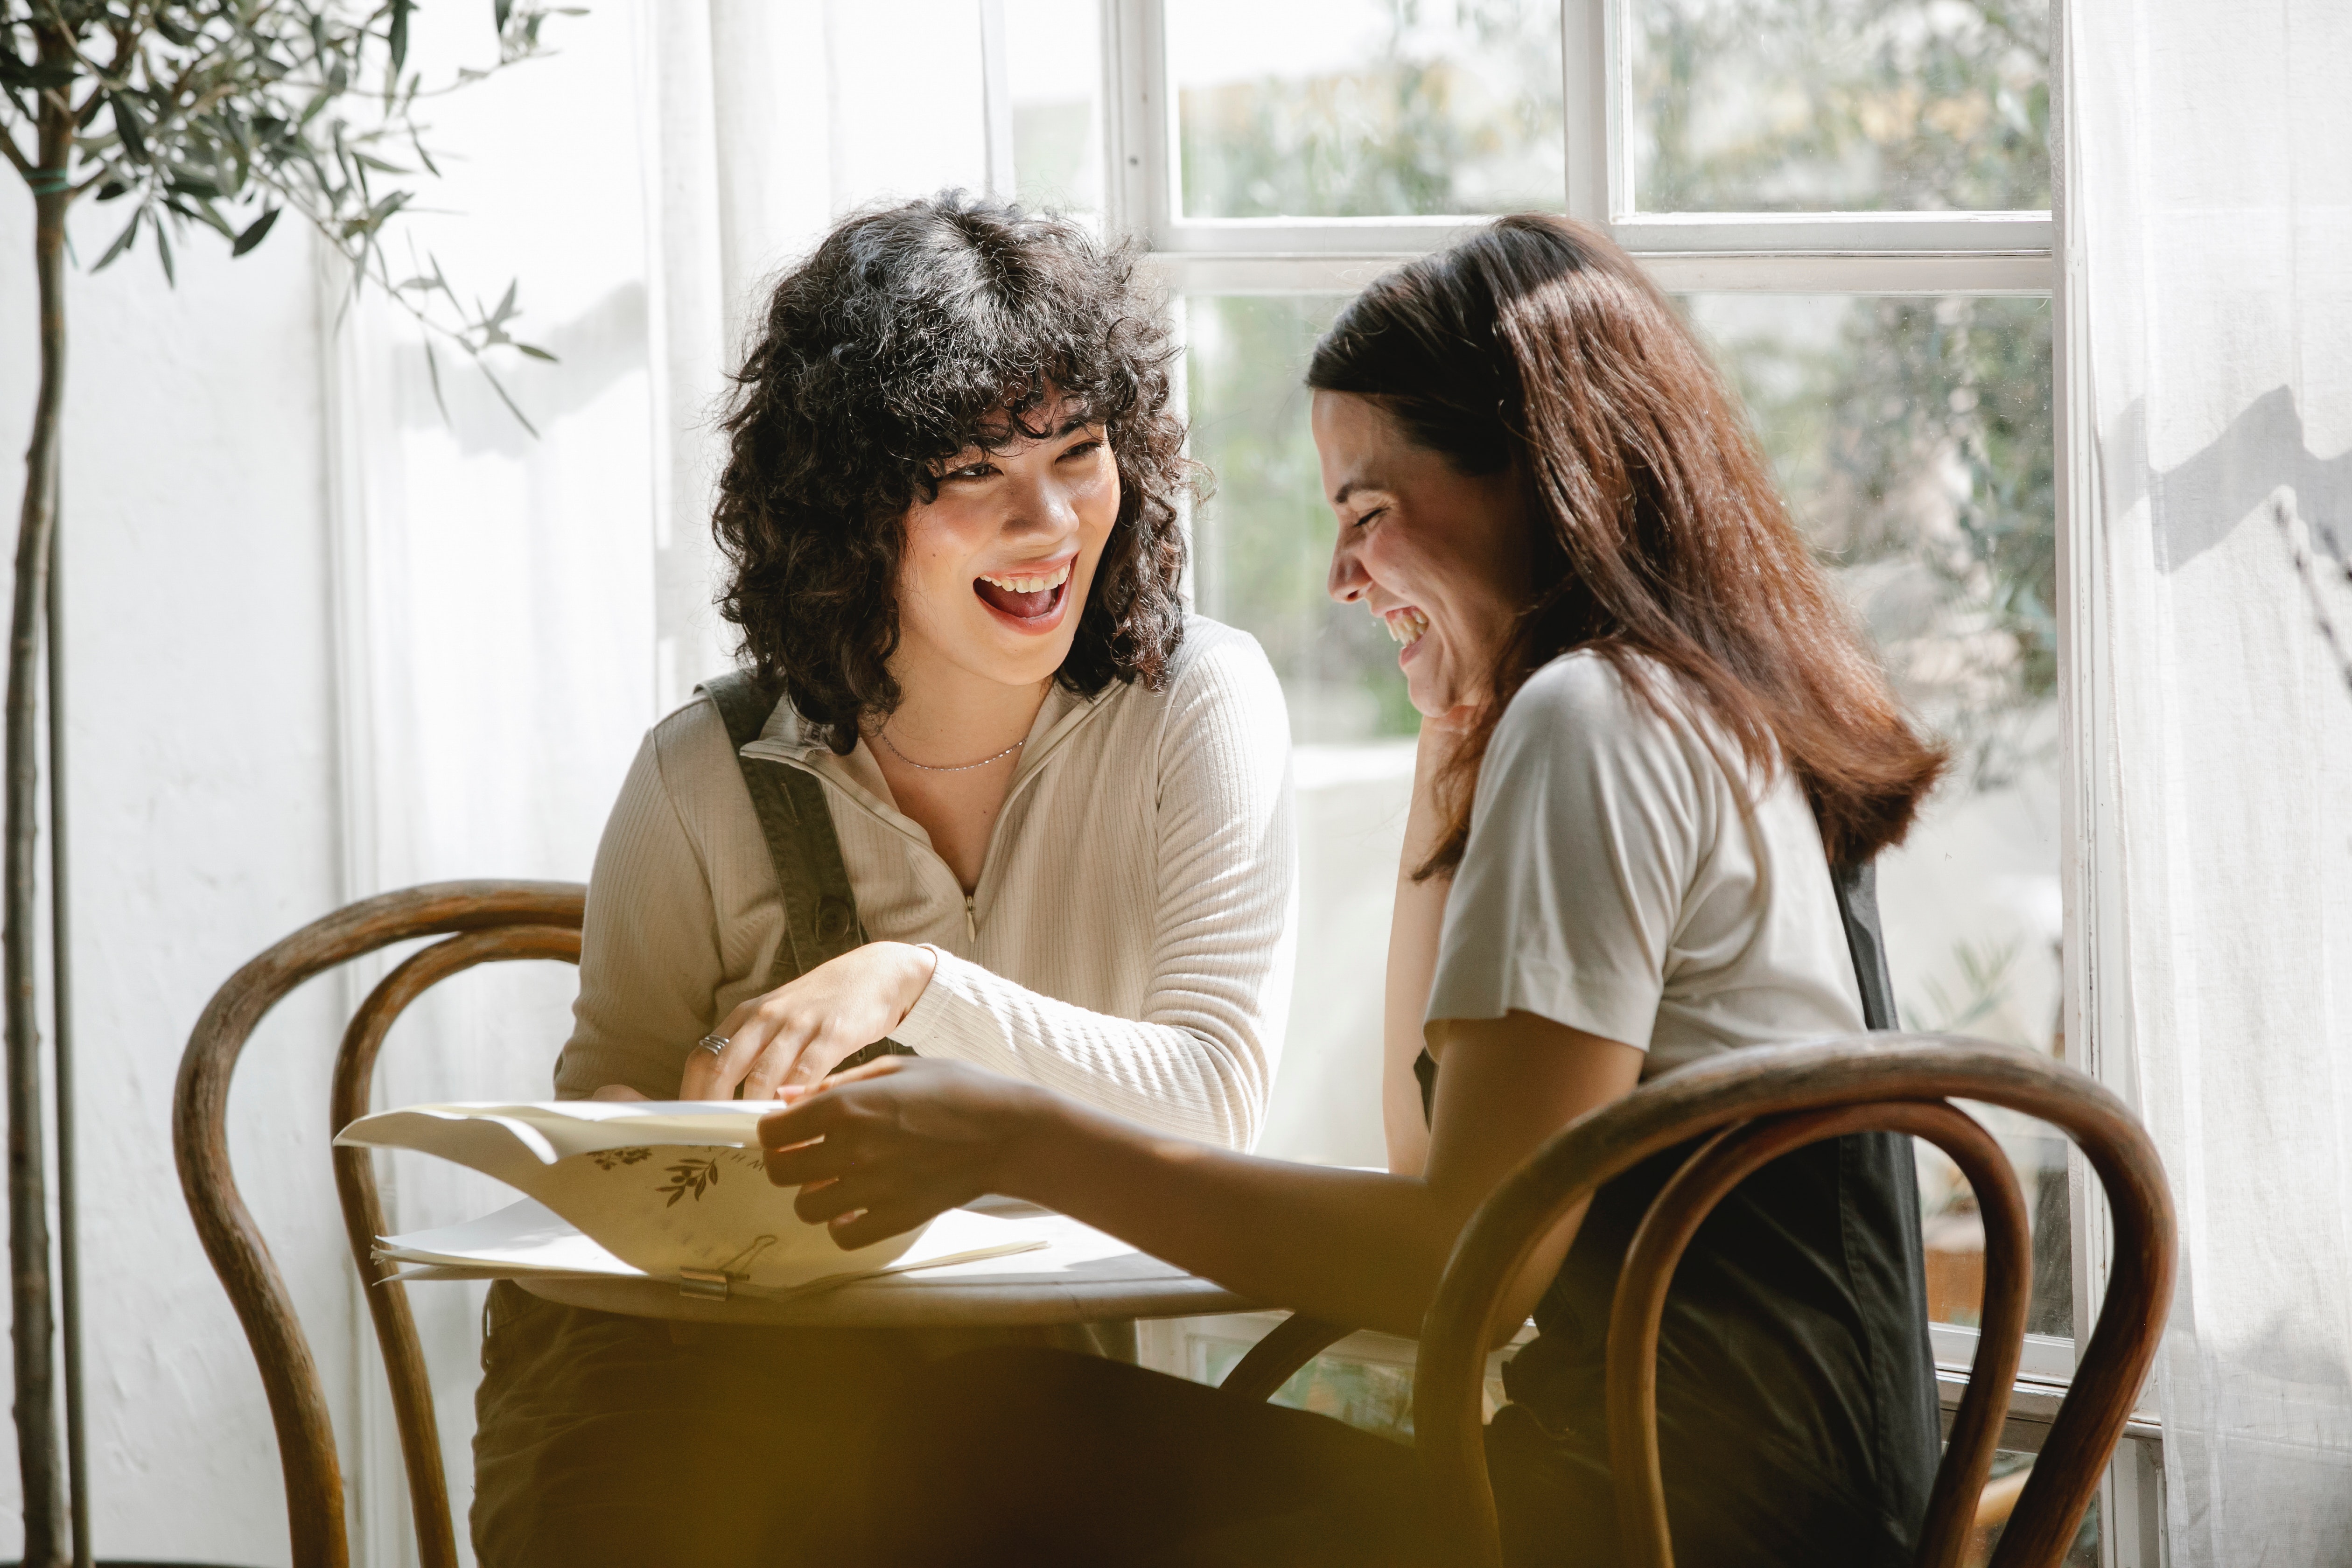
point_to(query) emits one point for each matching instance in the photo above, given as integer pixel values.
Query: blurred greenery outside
(1373, 1395)
(1840, 105)
(1456, 111)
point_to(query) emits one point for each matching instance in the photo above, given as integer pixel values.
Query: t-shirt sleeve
(1584, 838)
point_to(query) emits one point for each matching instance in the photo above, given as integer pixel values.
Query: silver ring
(715, 1043)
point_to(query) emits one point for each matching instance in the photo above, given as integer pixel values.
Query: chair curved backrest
(1760, 1103)
(485, 921)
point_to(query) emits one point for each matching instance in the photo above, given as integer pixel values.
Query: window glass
(1365, 1381)
(1262, 538)
(1913, 438)
(1366, 108)
(1262, 546)
(2003, 1488)
(1838, 105)
(1053, 67)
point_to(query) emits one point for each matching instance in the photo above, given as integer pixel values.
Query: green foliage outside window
(1915, 443)
(1840, 105)
(1455, 110)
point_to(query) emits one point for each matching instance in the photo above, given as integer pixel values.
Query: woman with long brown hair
(1649, 735)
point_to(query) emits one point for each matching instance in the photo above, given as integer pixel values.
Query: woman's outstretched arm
(879, 1151)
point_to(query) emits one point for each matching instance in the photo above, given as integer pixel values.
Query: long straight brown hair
(1537, 344)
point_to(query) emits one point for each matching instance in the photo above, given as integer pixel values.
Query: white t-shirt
(1618, 880)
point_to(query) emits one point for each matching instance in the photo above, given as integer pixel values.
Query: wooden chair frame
(1754, 1106)
(484, 921)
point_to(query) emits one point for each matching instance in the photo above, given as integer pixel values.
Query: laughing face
(997, 568)
(1441, 558)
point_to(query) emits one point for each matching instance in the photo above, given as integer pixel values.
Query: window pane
(1261, 545)
(1053, 68)
(1839, 105)
(1913, 438)
(1366, 108)
(2002, 1486)
(1263, 538)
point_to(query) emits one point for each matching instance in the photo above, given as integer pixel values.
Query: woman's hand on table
(793, 1036)
(880, 1150)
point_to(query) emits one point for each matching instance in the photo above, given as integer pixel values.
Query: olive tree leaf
(127, 126)
(230, 113)
(432, 375)
(254, 232)
(121, 241)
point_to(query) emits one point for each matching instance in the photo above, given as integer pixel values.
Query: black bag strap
(1858, 901)
(812, 880)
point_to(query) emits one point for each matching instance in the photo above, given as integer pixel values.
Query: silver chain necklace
(883, 735)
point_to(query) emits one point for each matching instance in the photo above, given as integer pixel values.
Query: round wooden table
(1082, 1276)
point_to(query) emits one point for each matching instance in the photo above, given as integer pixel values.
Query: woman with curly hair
(984, 792)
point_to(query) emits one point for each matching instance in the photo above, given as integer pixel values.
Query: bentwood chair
(483, 922)
(1757, 1105)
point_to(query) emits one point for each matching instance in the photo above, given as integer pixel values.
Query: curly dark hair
(911, 333)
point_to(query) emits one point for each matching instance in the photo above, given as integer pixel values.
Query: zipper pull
(971, 920)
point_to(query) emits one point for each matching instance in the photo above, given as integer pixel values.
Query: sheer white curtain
(514, 610)
(2212, 219)
(764, 121)
(495, 620)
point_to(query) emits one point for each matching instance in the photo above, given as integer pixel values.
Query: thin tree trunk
(61, 1030)
(32, 1322)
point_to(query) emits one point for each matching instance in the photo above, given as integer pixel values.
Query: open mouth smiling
(1405, 624)
(1031, 598)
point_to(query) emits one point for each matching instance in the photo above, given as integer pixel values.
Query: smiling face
(1442, 558)
(997, 567)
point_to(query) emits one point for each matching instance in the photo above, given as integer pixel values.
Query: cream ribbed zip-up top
(1130, 943)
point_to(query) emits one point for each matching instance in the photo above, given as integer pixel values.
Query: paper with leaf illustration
(673, 1189)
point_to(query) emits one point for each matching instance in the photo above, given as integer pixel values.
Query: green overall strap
(812, 880)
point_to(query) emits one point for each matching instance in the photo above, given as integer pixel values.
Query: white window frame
(1985, 253)
(1874, 253)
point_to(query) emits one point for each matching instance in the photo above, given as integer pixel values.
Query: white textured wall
(323, 643)
(202, 828)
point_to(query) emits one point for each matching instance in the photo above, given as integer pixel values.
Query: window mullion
(1345, 270)
(1132, 199)
(1589, 111)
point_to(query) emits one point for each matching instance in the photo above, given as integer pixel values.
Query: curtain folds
(2211, 221)
(514, 609)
